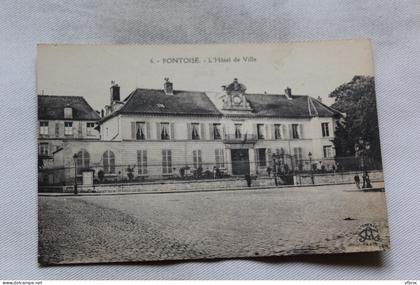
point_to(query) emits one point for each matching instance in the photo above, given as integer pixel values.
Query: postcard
(183, 152)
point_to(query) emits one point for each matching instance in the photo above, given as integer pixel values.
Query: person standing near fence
(357, 181)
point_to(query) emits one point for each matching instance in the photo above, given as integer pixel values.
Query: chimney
(168, 87)
(115, 92)
(102, 113)
(68, 112)
(288, 93)
(319, 99)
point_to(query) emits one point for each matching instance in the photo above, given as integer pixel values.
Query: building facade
(62, 118)
(163, 133)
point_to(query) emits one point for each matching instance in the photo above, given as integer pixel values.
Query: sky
(308, 68)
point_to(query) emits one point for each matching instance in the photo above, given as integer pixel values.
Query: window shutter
(255, 129)
(158, 137)
(144, 161)
(211, 137)
(269, 156)
(267, 132)
(300, 131)
(273, 136)
(283, 131)
(74, 128)
(290, 131)
(80, 131)
(148, 131)
(200, 161)
(203, 131)
(223, 131)
(57, 129)
(195, 158)
(133, 130)
(172, 131)
(189, 135)
(139, 165)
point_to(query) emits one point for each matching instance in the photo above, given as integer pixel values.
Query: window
(43, 149)
(164, 131)
(295, 131)
(261, 157)
(195, 135)
(166, 161)
(68, 128)
(277, 131)
(89, 128)
(325, 130)
(82, 161)
(68, 112)
(220, 158)
(260, 131)
(297, 152)
(142, 162)
(238, 131)
(43, 128)
(328, 151)
(140, 131)
(216, 132)
(108, 159)
(197, 160)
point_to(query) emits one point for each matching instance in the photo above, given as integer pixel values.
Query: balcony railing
(244, 138)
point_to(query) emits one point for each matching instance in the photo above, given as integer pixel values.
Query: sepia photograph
(183, 152)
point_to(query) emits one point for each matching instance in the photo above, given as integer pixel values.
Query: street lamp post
(275, 169)
(362, 147)
(312, 170)
(75, 156)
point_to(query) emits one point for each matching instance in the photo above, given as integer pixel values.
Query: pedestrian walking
(248, 179)
(269, 171)
(357, 181)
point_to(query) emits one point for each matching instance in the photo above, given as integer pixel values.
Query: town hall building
(154, 133)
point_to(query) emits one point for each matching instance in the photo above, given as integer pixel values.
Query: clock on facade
(237, 99)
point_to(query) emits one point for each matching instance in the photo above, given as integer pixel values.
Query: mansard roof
(52, 108)
(154, 101)
(300, 106)
(195, 103)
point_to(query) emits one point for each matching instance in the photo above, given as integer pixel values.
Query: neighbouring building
(61, 119)
(153, 133)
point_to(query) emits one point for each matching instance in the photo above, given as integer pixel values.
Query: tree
(357, 100)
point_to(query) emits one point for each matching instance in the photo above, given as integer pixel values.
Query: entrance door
(240, 161)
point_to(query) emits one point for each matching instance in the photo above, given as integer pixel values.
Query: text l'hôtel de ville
(198, 60)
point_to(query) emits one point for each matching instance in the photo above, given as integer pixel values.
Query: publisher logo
(368, 232)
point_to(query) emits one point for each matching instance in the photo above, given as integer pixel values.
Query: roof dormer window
(68, 112)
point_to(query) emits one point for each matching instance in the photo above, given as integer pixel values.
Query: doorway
(240, 161)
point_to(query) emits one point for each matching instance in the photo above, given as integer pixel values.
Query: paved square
(245, 223)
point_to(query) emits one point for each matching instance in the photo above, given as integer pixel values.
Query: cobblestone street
(175, 226)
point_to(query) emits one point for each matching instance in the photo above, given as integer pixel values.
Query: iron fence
(278, 165)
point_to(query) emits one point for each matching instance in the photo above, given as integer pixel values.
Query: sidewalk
(378, 186)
